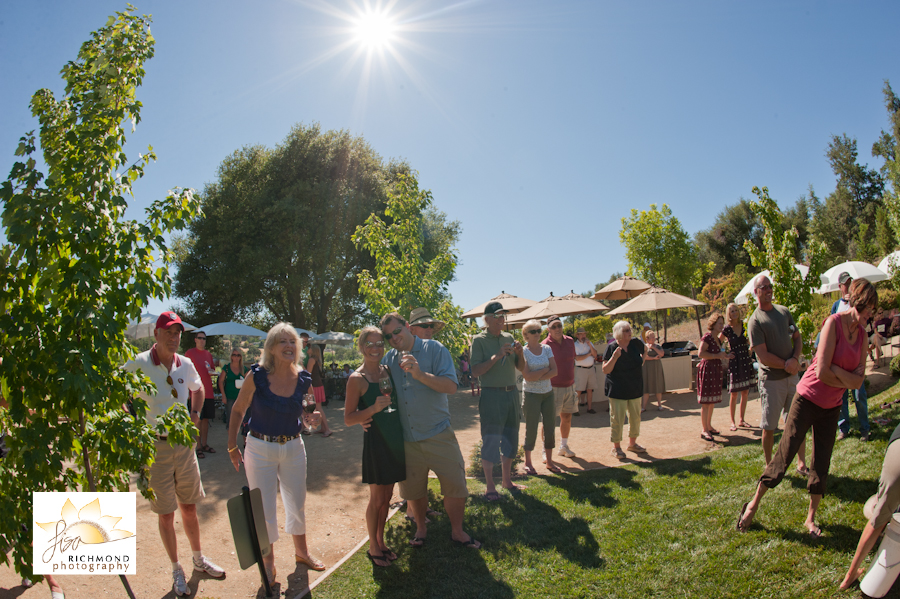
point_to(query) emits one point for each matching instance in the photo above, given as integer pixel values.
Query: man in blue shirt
(424, 375)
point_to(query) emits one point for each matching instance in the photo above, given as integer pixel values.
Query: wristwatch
(195, 412)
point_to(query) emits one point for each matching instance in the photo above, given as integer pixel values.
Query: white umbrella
(312, 336)
(857, 270)
(333, 338)
(144, 326)
(231, 328)
(743, 295)
(885, 265)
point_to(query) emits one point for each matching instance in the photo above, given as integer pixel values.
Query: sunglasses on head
(387, 336)
(374, 343)
(427, 325)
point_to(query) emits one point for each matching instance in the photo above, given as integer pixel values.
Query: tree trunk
(92, 486)
(697, 309)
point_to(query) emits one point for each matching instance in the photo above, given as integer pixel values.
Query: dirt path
(337, 498)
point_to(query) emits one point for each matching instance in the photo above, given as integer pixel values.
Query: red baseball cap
(167, 319)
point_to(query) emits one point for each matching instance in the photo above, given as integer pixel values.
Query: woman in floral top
(741, 375)
(709, 374)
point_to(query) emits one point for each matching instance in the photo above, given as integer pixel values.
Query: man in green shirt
(495, 357)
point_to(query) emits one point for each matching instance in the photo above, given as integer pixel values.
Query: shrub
(895, 366)
(887, 298)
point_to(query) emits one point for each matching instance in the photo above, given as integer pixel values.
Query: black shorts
(209, 409)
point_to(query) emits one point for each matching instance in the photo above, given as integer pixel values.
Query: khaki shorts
(775, 397)
(565, 400)
(175, 477)
(440, 454)
(585, 379)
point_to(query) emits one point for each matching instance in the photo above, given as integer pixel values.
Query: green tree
(777, 255)
(274, 237)
(888, 147)
(74, 271)
(402, 279)
(884, 234)
(723, 242)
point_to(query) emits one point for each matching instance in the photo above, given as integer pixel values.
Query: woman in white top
(540, 367)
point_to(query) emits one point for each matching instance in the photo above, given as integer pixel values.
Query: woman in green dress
(232, 372)
(373, 402)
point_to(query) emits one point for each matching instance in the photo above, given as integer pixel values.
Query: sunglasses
(387, 336)
(427, 325)
(172, 384)
(374, 343)
(556, 326)
(534, 332)
(764, 287)
(499, 315)
(200, 338)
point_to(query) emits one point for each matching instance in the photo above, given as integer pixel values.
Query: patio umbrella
(656, 298)
(143, 327)
(313, 336)
(333, 338)
(231, 328)
(885, 265)
(510, 302)
(744, 294)
(622, 288)
(568, 305)
(857, 270)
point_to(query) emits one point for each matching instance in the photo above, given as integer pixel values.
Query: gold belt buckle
(281, 439)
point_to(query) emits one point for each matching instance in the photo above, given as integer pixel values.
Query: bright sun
(374, 30)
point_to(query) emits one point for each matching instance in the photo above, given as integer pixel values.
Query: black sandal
(378, 558)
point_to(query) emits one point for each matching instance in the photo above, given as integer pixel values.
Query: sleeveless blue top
(272, 414)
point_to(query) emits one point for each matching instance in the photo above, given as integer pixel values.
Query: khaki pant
(617, 411)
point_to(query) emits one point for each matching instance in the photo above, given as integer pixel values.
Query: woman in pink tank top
(839, 364)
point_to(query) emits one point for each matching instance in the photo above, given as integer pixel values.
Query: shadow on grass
(595, 487)
(845, 488)
(681, 468)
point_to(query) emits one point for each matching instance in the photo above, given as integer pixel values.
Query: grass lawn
(664, 529)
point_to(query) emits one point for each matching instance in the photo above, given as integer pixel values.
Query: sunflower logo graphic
(88, 524)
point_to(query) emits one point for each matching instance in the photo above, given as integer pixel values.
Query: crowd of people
(399, 396)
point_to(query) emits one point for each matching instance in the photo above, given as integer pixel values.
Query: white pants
(267, 464)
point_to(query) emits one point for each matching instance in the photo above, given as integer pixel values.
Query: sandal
(328, 434)
(470, 544)
(804, 471)
(310, 562)
(385, 562)
(554, 469)
(530, 471)
(741, 528)
(744, 424)
(208, 449)
(707, 437)
(732, 428)
(714, 431)
(389, 553)
(200, 454)
(417, 542)
(492, 496)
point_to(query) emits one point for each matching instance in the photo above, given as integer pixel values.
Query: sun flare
(374, 30)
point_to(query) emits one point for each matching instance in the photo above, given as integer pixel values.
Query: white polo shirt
(184, 380)
(582, 350)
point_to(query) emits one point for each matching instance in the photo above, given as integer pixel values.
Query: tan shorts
(440, 454)
(175, 477)
(565, 400)
(584, 379)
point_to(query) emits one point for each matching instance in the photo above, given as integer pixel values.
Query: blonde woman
(275, 454)
(540, 367)
(654, 378)
(741, 375)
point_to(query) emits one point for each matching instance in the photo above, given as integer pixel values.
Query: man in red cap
(175, 474)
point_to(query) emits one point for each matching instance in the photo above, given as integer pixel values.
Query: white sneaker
(204, 565)
(179, 584)
(565, 452)
(26, 582)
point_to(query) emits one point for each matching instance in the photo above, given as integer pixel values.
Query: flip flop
(389, 553)
(417, 542)
(530, 471)
(208, 449)
(732, 428)
(492, 496)
(385, 562)
(328, 434)
(741, 518)
(554, 469)
(803, 471)
(470, 544)
(744, 425)
(815, 534)
(714, 431)
(707, 437)
(200, 454)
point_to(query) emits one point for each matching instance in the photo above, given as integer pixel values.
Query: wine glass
(386, 386)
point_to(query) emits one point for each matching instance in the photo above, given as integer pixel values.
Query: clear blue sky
(538, 125)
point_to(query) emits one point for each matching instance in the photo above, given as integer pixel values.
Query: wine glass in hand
(386, 386)
(309, 407)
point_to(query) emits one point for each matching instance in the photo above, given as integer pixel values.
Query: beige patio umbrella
(567, 305)
(655, 298)
(622, 288)
(510, 302)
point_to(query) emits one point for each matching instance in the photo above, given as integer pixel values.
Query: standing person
(205, 365)
(175, 473)
(777, 343)
(313, 366)
(860, 395)
(886, 502)
(425, 376)
(228, 381)
(383, 460)
(585, 356)
(623, 366)
(740, 370)
(876, 330)
(423, 325)
(496, 356)
(540, 367)
(563, 383)
(275, 455)
(839, 363)
(654, 377)
(709, 374)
